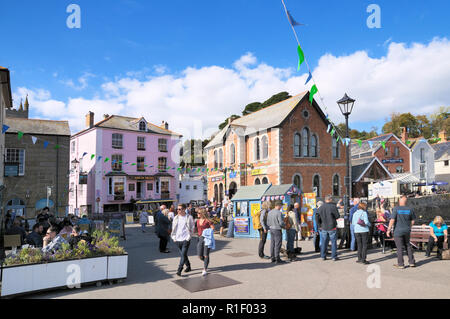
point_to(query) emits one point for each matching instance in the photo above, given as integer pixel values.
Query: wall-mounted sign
(259, 171)
(145, 178)
(216, 179)
(392, 160)
(11, 170)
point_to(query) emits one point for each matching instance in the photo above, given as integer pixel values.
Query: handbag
(445, 254)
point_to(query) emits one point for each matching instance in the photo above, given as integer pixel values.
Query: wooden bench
(419, 234)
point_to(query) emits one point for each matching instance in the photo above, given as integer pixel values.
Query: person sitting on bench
(438, 235)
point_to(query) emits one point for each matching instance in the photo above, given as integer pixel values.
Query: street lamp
(346, 106)
(75, 164)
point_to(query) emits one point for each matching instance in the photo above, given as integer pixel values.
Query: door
(140, 190)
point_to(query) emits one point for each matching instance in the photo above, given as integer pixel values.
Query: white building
(422, 161)
(441, 161)
(192, 186)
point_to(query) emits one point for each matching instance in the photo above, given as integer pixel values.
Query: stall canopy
(250, 192)
(405, 178)
(278, 192)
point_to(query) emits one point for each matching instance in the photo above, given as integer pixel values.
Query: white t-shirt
(182, 228)
(171, 215)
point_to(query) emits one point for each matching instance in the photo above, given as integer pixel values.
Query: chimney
(404, 134)
(90, 119)
(443, 136)
(165, 125)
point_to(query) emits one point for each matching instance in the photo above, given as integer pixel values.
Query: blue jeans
(143, 227)
(325, 237)
(290, 239)
(183, 247)
(353, 239)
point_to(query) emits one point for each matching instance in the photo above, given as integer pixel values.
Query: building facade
(120, 160)
(284, 143)
(36, 165)
(193, 186)
(442, 160)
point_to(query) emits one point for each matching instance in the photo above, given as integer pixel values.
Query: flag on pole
(314, 90)
(309, 79)
(291, 19)
(301, 57)
(34, 139)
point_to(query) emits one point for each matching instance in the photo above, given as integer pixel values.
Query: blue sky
(138, 39)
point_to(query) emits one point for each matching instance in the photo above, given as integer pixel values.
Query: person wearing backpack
(292, 228)
(360, 222)
(263, 229)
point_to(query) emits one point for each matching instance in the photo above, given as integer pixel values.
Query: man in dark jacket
(326, 219)
(35, 237)
(16, 229)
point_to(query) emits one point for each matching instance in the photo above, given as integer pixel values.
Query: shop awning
(254, 192)
(405, 178)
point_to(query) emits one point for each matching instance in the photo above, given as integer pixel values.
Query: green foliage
(274, 99)
(25, 256)
(355, 134)
(192, 153)
(252, 107)
(224, 123)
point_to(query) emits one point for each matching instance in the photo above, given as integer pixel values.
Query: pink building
(134, 160)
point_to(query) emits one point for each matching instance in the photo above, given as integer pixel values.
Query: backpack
(256, 220)
(287, 222)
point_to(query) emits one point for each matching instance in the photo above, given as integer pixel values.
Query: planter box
(31, 278)
(117, 267)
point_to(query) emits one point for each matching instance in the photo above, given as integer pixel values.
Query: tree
(252, 107)
(424, 126)
(440, 120)
(224, 123)
(398, 121)
(274, 99)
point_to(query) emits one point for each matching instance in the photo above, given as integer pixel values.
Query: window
(188, 187)
(386, 151)
(265, 147)
(297, 145)
(164, 186)
(446, 163)
(297, 181)
(256, 149)
(157, 186)
(180, 186)
(150, 186)
(397, 151)
(162, 145)
(422, 171)
(162, 163)
(142, 126)
(116, 162)
(335, 146)
(141, 143)
(257, 181)
(422, 155)
(220, 158)
(232, 154)
(82, 179)
(195, 187)
(399, 169)
(336, 185)
(305, 146)
(316, 184)
(116, 187)
(131, 187)
(117, 140)
(265, 180)
(314, 146)
(73, 147)
(16, 156)
(216, 160)
(140, 163)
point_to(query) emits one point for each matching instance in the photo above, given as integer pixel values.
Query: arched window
(256, 149)
(314, 146)
(335, 146)
(297, 181)
(336, 185)
(216, 193)
(316, 184)
(265, 180)
(257, 181)
(142, 126)
(305, 146)
(232, 154)
(216, 160)
(220, 193)
(265, 147)
(297, 145)
(220, 158)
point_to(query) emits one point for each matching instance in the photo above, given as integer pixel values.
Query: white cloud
(82, 80)
(409, 78)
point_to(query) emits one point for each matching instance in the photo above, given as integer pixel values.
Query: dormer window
(142, 126)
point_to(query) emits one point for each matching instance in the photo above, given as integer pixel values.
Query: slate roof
(250, 192)
(355, 149)
(359, 166)
(441, 149)
(278, 190)
(129, 124)
(32, 126)
(261, 120)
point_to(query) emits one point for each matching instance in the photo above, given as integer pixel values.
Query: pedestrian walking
(438, 235)
(264, 229)
(203, 250)
(316, 235)
(223, 217)
(360, 222)
(352, 227)
(182, 231)
(292, 228)
(143, 219)
(326, 219)
(163, 231)
(402, 219)
(276, 224)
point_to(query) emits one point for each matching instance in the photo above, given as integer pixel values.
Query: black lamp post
(346, 106)
(75, 164)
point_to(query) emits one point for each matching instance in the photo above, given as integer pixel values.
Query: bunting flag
(5, 128)
(337, 140)
(106, 159)
(84, 154)
(19, 135)
(99, 158)
(114, 162)
(329, 128)
(383, 144)
(301, 57)
(92, 156)
(314, 90)
(45, 144)
(359, 142)
(34, 139)
(408, 142)
(56, 147)
(292, 22)
(309, 78)
(332, 132)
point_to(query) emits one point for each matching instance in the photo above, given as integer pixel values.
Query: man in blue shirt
(352, 227)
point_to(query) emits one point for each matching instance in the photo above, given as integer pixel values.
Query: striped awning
(405, 178)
